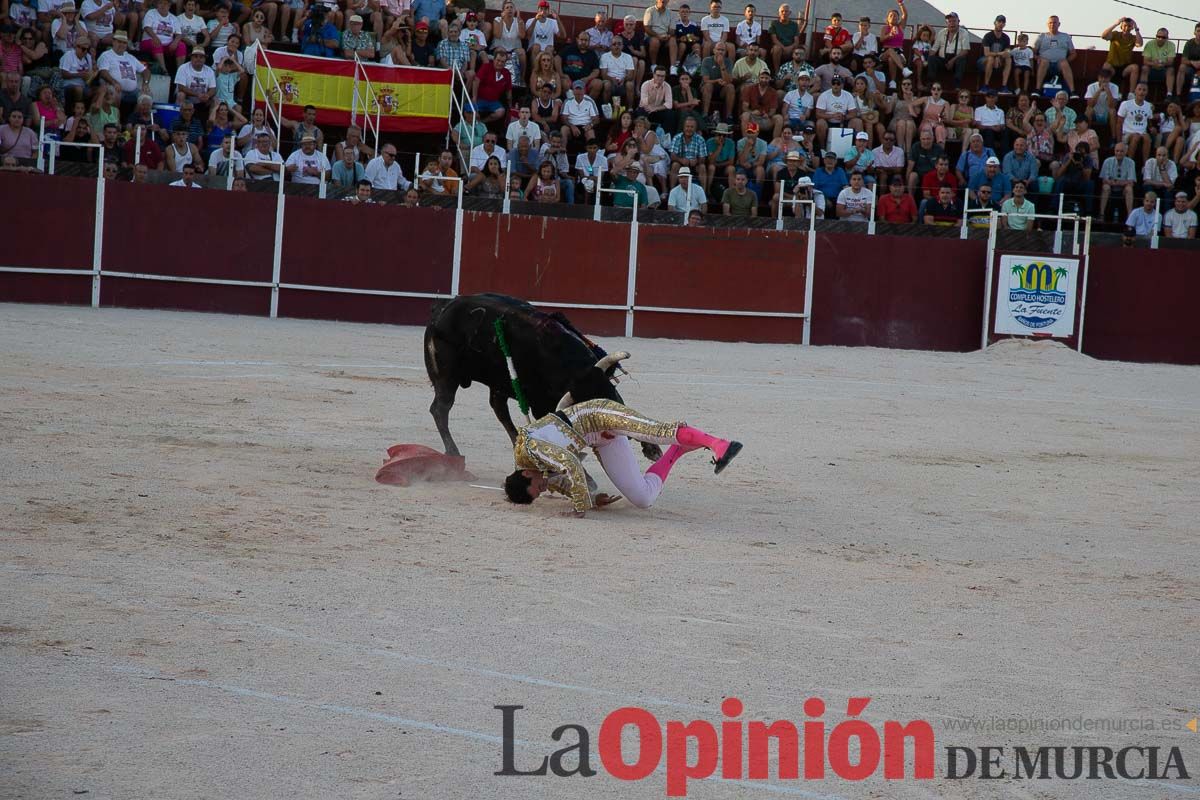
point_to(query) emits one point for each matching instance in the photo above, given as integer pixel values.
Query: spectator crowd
(682, 108)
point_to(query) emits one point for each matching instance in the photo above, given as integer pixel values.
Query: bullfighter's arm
(567, 475)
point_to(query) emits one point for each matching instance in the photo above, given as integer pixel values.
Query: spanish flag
(407, 99)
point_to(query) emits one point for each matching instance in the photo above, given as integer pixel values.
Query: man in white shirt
(542, 30)
(618, 70)
(889, 160)
(98, 15)
(836, 108)
(686, 195)
(196, 81)
(227, 158)
(188, 181)
(854, 202)
(748, 30)
(307, 165)
(523, 127)
(76, 65)
(384, 173)
(262, 163)
(580, 114)
(590, 167)
(715, 27)
(798, 103)
(1102, 98)
(122, 70)
(67, 28)
(989, 120)
(1180, 221)
(481, 152)
(1133, 119)
(1146, 221)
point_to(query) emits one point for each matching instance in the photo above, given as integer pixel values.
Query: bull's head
(600, 382)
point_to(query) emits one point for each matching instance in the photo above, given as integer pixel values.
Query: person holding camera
(1073, 177)
(319, 36)
(1122, 36)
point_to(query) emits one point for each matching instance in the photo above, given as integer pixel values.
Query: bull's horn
(566, 402)
(609, 360)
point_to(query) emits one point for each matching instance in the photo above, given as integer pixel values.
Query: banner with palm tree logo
(1036, 296)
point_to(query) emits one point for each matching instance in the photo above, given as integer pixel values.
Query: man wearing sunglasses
(1158, 61)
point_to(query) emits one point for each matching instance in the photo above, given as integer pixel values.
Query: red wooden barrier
(47, 222)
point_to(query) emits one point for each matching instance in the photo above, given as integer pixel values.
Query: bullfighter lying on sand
(547, 453)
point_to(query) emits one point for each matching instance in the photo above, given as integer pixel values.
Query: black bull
(549, 355)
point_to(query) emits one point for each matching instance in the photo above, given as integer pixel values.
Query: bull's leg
(440, 366)
(499, 402)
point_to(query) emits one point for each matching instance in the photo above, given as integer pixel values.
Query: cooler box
(165, 115)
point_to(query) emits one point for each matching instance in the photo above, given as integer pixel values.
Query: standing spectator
(1122, 36)
(951, 48)
(1133, 122)
(634, 43)
(738, 201)
(897, 205)
(1189, 65)
(657, 22)
(1117, 173)
(580, 115)
(491, 90)
(997, 52)
(1055, 51)
(195, 81)
(1158, 61)
(989, 121)
(1180, 221)
(262, 163)
(686, 195)
(931, 112)
(433, 14)
(307, 164)
(854, 202)
(384, 171)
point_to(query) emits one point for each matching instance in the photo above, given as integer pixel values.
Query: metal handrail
(370, 98)
(275, 114)
(456, 102)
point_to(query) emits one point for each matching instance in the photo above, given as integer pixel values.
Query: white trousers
(621, 466)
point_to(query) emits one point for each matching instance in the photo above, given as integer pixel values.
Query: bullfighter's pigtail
(512, 372)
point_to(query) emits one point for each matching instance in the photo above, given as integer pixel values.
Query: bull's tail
(561, 319)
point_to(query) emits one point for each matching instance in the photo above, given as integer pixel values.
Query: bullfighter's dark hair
(516, 486)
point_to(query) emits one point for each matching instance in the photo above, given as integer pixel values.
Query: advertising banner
(1036, 295)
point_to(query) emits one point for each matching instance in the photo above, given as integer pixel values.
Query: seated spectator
(830, 179)
(581, 63)
(523, 126)
(150, 153)
(357, 42)
(686, 102)
(836, 38)
(580, 116)
(226, 158)
(362, 194)
(1145, 220)
(262, 163)
(190, 122)
(656, 99)
(747, 68)
(221, 28)
(1170, 129)
(1019, 119)
(422, 52)
(855, 201)
(467, 134)
(1103, 98)
(181, 151)
(1160, 173)
(489, 181)
(1158, 61)
(554, 150)
(143, 117)
(1073, 177)
(454, 54)
(1118, 173)
(1020, 165)
(618, 72)
(384, 171)
(980, 208)
(412, 198)
(944, 210)
(689, 151)
(837, 108)
(440, 177)
(923, 159)
(1055, 51)
(973, 159)
(628, 181)
(1017, 212)
(989, 121)
(739, 201)
(1133, 122)
(997, 54)
(859, 159)
(1189, 66)
(485, 150)
(760, 105)
(307, 165)
(46, 109)
(825, 73)
(523, 160)
(476, 40)
(897, 205)
(787, 77)
(188, 181)
(937, 178)
(658, 24)
(1180, 221)
(786, 182)
(492, 88)
(163, 36)
(77, 68)
(1122, 36)
(590, 167)
(546, 110)
(721, 156)
(748, 30)
(1060, 117)
(110, 147)
(888, 161)
(122, 70)
(799, 103)
(686, 195)
(950, 51)
(751, 157)
(891, 43)
(998, 183)
(544, 187)
(1083, 133)
(16, 140)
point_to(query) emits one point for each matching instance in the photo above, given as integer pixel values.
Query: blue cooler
(165, 115)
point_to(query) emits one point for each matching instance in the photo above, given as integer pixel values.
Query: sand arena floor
(204, 594)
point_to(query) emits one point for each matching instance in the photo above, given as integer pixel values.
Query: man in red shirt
(491, 90)
(939, 177)
(151, 155)
(897, 205)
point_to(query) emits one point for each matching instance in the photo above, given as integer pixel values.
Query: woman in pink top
(15, 139)
(933, 113)
(46, 108)
(891, 41)
(543, 187)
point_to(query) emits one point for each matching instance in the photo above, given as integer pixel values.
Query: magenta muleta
(733, 748)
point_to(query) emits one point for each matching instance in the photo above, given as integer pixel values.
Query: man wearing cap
(830, 178)
(1055, 51)
(860, 158)
(897, 205)
(837, 108)
(627, 181)
(121, 70)
(195, 81)
(1180, 221)
(307, 164)
(580, 115)
(793, 183)
(888, 160)
(760, 105)
(799, 102)
(68, 27)
(997, 52)
(491, 90)
(752, 154)
(686, 195)
(825, 73)
(423, 51)
(542, 30)
(357, 42)
(991, 176)
(716, 78)
(950, 50)
(262, 163)
(990, 122)
(721, 154)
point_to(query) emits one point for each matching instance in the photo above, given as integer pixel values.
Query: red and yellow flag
(410, 99)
